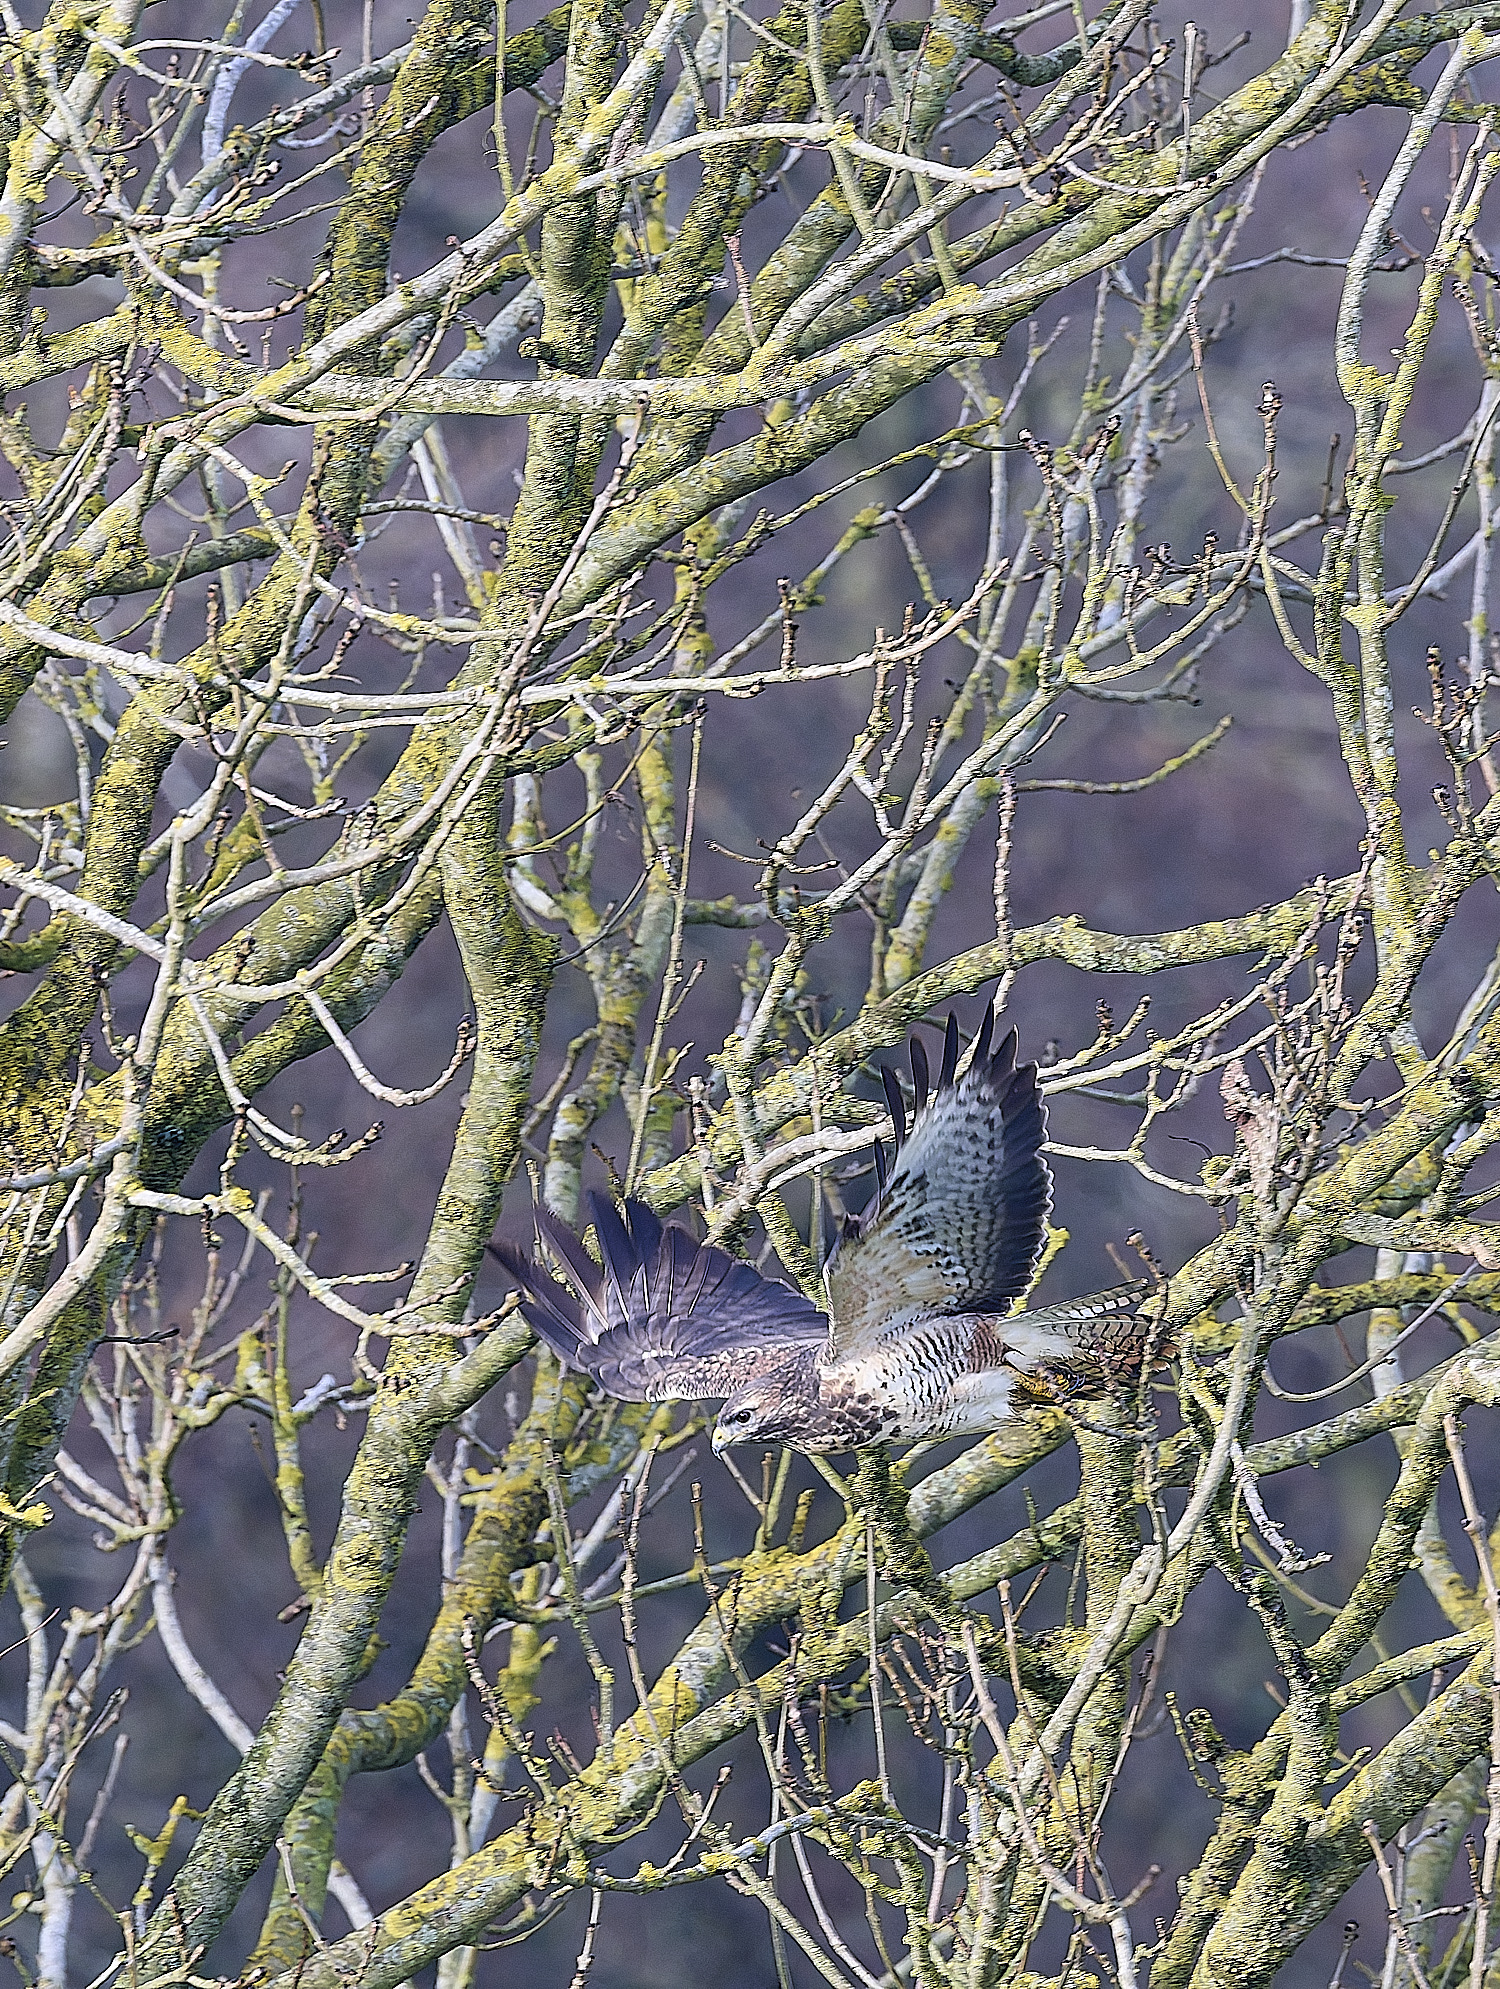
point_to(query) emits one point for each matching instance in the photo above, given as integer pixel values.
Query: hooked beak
(718, 1440)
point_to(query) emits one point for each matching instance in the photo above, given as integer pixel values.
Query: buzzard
(917, 1338)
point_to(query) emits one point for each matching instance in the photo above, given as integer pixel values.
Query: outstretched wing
(957, 1225)
(663, 1318)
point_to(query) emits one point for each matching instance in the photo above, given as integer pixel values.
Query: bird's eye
(739, 1416)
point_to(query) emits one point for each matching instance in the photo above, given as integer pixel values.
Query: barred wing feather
(663, 1318)
(957, 1226)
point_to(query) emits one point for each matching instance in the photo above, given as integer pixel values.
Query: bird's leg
(1053, 1385)
(884, 1500)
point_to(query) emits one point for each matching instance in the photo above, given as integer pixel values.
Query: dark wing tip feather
(553, 1313)
(1002, 1063)
(921, 1077)
(569, 1251)
(950, 1053)
(893, 1099)
(982, 1040)
(645, 1230)
(616, 1244)
(516, 1260)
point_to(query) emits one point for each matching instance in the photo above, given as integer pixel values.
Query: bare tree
(725, 240)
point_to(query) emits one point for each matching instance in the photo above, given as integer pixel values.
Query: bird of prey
(917, 1338)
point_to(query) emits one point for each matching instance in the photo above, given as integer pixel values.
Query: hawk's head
(760, 1412)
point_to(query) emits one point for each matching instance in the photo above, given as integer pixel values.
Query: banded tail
(1114, 1336)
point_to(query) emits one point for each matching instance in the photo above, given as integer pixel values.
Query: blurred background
(1268, 809)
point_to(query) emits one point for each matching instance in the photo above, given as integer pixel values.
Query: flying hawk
(917, 1338)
